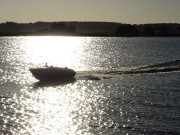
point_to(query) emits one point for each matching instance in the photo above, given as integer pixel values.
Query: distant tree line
(89, 29)
(59, 29)
(148, 30)
(128, 30)
(38, 28)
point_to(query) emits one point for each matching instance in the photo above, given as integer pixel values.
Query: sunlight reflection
(57, 110)
(26, 52)
(52, 112)
(56, 51)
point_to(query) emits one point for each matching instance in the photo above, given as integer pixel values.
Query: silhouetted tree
(45, 30)
(148, 31)
(127, 30)
(11, 26)
(58, 26)
(178, 28)
(164, 31)
(62, 28)
(72, 28)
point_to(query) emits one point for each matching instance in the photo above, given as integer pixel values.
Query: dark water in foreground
(123, 86)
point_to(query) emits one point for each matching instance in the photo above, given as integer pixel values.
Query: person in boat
(46, 65)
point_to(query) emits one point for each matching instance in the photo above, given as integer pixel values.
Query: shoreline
(77, 35)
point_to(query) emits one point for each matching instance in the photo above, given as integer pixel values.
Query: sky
(123, 11)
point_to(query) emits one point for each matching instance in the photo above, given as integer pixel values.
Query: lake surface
(123, 86)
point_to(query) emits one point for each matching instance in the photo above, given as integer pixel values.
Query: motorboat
(52, 73)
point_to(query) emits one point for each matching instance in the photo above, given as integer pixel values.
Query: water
(123, 86)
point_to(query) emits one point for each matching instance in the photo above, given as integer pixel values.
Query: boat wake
(164, 67)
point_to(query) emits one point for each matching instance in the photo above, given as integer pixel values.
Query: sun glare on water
(55, 51)
(56, 109)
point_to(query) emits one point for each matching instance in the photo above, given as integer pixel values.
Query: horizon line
(93, 22)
